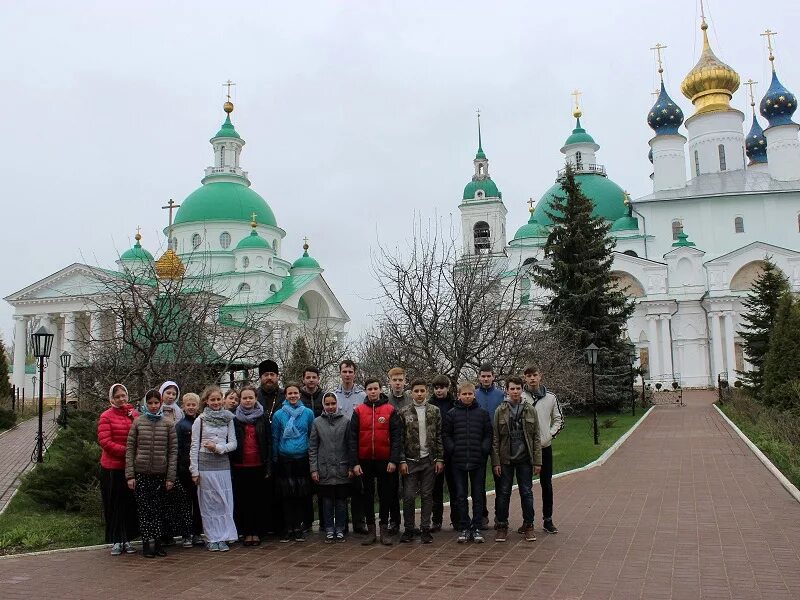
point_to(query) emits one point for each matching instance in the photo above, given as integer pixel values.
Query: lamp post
(632, 359)
(42, 343)
(591, 357)
(66, 359)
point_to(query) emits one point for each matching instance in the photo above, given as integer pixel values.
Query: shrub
(609, 422)
(8, 418)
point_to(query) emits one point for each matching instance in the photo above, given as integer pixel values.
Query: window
(696, 163)
(738, 225)
(630, 253)
(196, 241)
(244, 287)
(222, 155)
(722, 164)
(479, 194)
(578, 160)
(677, 228)
(481, 232)
(245, 262)
(273, 287)
(225, 239)
(275, 246)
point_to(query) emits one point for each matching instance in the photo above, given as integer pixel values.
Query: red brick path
(682, 510)
(16, 446)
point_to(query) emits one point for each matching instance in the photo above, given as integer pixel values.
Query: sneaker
(213, 547)
(116, 549)
(425, 537)
(287, 537)
(187, 542)
(197, 540)
(329, 537)
(299, 536)
(530, 536)
(223, 547)
(501, 533)
(408, 536)
(339, 536)
(463, 537)
(477, 537)
(393, 529)
(436, 527)
(549, 527)
(128, 548)
(521, 529)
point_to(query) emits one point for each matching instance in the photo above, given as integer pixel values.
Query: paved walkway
(16, 446)
(682, 510)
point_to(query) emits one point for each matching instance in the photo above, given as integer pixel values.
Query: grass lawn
(26, 526)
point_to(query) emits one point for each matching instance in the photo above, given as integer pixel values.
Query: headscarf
(290, 431)
(173, 408)
(249, 415)
(156, 415)
(127, 407)
(217, 418)
(111, 391)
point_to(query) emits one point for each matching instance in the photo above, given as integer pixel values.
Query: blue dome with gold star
(778, 104)
(665, 117)
(755, 143)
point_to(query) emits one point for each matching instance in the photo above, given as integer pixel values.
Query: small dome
(227, 129)
(170, 266)
(756, 143)
(626, 223)
(665, 117)
(711, 83)
(137, 253)
(778, 104)
(579, 135)
(224, 201)
(606, 196)
(683, 241)
(305, 261)
(253, 242)
(487, 186)
(532, 229)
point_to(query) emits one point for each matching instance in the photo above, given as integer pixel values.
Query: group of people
(214, 469)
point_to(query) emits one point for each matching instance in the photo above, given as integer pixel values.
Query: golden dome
(170, 266)
(711, 83)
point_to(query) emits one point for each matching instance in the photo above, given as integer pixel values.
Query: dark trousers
(273, 509)
(546, 482)
(150, 495)
(418, 482)
(333, 507)
(188, 484)
(178, 510)
(485, 502)
(375, 475)
(438, 496)
(356, 503)
(119, 507)
(524, 475)
(473, 481)
(294, 483)
(397, 492)
(248, 499)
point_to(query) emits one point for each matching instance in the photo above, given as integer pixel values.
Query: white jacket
(551, 419)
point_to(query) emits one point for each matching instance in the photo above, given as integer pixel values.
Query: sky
(359, 115)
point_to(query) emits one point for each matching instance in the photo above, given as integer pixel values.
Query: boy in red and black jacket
(376, 436)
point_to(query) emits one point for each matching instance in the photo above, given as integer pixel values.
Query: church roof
(224, 201)
(728, 183)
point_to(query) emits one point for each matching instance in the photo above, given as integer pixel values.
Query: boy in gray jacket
(328, 459)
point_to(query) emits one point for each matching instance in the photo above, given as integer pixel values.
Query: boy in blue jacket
(489, 396)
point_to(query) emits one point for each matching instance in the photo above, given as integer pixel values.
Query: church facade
(689, 251)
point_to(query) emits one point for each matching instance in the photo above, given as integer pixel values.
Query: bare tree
(326, 347)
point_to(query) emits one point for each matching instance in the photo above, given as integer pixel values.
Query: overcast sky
(357, 114)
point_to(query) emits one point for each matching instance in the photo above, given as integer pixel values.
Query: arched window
(677, 228)
(630, 253)
(225, 239)
(245, 262)
(480, 169)
(578, 160)
(696, 163)
(196, 241)
(798, 223)
(222, 155)
(722, 164)
(479, 194)
(738, 225)
(275, 245)
(273, 288)
(244, 287)
(482, 234)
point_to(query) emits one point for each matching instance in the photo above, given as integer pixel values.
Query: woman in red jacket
(119, 505)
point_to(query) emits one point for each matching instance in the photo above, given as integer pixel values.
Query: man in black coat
(271, 398)
(442, 399)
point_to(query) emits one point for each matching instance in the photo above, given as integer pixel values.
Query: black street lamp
(42, 342)
(66, 359)
(591, 357)
(632, 359)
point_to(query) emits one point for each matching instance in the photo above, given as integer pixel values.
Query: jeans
(333, 506)
(546, 482)
(474, 480)
(375, 475)
(496, 485)
(438, 496)
(524, 474)
(418, 482)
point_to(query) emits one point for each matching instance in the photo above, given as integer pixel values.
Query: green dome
(626, 223)
(224, 201)
(253, 242)
(305, 262)
(607, 196)
(487, 186)
(579, 136)
(136, 253)
(531, 229)
(227, 130)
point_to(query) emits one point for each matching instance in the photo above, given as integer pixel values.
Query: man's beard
(269, 387)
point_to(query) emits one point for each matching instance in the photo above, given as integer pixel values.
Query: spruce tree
(758, 320)
(782, 362)
(583, 299)
(299, 359)
(5, 386)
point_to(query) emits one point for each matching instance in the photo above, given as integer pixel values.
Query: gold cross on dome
(658, 48)
(769, 34)
(228, 85)
(530, 205)
(750, 83)
(577, 94)
(138, 230)
(171, 205)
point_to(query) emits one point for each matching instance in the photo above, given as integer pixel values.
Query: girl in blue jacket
(291, 427)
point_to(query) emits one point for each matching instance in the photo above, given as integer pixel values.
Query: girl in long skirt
(151, 461)
(119, 505)
(213, 437)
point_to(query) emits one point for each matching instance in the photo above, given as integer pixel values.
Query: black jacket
(312, 401)
(271, 403)
(183, 429)
(395, 434)
(264, 437)
(467, 436)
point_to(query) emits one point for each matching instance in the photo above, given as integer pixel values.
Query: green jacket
(501, 435)
(433, 433)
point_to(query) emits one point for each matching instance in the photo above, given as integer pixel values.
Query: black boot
(159, 550)
(147, 549)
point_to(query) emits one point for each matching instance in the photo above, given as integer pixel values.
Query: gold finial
(305, 244)
(626, 198)
(769, 34)
(228, 106)
(530, 205)
(703, 24)
(658, 48)
(253, 222)
(750, 83)
(577, 112)
(138, 235)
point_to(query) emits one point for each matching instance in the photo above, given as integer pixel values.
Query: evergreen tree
(299, 359)
(582, 296)
(5, 386)
(782, 362)
(758, 320)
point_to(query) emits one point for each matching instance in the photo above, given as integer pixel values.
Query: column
(716, 347)
(652, 337)
(730, 351)
(666, 345)
(20, 344)
(70, 340)
(95, 328)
